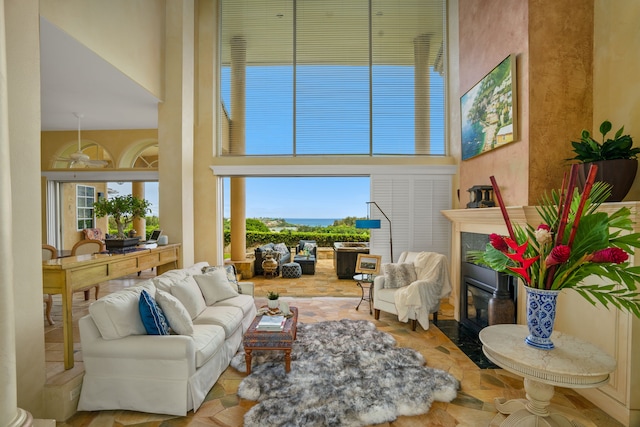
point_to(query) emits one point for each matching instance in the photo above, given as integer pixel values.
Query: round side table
(365, 283)
(573, 363)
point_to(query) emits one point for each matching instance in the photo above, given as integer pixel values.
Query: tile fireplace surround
(614, 331)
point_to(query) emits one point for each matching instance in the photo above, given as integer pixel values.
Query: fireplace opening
(487, 297)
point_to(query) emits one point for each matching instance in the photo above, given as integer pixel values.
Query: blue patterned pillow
(152, 316)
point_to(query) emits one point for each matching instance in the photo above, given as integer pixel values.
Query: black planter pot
(119, 244)
(620, 173)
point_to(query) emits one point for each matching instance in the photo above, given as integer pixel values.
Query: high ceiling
(76, 80)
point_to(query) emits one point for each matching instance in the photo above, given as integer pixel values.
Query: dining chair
(87, 247)
(48, 252)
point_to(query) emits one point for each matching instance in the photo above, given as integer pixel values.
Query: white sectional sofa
(126, 368)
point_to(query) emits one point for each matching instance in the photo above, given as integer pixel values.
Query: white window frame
(83, 206)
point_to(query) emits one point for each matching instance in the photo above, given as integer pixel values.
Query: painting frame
(488, 111)
(368, 264)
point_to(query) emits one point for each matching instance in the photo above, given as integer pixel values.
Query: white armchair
(419, 290)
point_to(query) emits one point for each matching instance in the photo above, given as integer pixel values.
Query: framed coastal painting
(368, 264)
(488, 111)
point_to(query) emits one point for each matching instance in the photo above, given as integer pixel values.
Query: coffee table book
(271, 323)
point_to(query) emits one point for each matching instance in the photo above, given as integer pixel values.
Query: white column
(238, 185)
(175, 128)
(421, 48)
(208, 212)
(10, 414)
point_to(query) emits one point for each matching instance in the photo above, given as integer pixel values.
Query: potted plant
(123, 210)
(615, 158)
(273, 302)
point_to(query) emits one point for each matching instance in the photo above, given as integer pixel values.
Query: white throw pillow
(399, 275)
(176, 313)
(117, 315)
(215, 286)
(189, 294)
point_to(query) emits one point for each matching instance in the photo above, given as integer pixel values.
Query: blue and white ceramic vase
(541, 314)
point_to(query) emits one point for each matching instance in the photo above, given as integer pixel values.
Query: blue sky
(328, 197)
(287, 197)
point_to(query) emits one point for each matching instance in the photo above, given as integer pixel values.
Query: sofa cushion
(387, 295)
(189, 294)
(230, 318)
(208, 340)
(215, 286)
(117, 315)
(175, 312)
(246, 303)
(153, 319)
(399, 275)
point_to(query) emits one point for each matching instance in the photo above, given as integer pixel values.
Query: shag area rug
(343, 373)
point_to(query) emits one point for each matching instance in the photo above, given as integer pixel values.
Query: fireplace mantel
(616, 332)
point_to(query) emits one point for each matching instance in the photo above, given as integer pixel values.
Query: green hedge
(291, 238)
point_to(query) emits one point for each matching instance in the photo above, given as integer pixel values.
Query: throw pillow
(117, 315)
(282, 248)
(175, 312)
(190, 295)
(230, 271)
(215, 286)
(152, 316)
(399, 275)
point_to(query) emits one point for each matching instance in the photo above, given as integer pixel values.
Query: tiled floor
(324, 297)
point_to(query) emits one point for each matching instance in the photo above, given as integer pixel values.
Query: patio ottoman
(291, 270)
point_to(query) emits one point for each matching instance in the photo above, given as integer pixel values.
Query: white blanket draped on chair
(423, 296)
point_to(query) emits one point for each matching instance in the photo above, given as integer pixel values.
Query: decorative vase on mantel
(541, 315)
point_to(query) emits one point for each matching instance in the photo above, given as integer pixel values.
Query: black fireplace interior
(477, 286)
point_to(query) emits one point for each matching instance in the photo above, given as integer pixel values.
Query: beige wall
(117, 143)
(134, 29)
(553, 42)
(616, 86)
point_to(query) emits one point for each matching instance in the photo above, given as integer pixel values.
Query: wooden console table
(66, 275)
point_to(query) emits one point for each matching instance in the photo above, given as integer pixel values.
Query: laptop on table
(154, 237)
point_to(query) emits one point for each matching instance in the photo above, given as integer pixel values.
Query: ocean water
(311, 222)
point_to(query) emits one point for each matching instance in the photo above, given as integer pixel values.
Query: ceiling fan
(80, 159)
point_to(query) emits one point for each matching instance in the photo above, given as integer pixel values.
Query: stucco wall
(553, 42)
(489, 31)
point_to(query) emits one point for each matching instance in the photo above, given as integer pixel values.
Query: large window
(309, 77)
(85, 196)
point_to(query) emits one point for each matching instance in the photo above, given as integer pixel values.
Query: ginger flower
(543, 234)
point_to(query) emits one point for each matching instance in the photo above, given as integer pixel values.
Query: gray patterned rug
(343, 373)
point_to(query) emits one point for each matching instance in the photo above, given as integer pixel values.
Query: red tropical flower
(558, 255)
(497, 241)
(613, 255)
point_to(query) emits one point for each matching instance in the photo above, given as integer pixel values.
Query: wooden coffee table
(267, 340)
